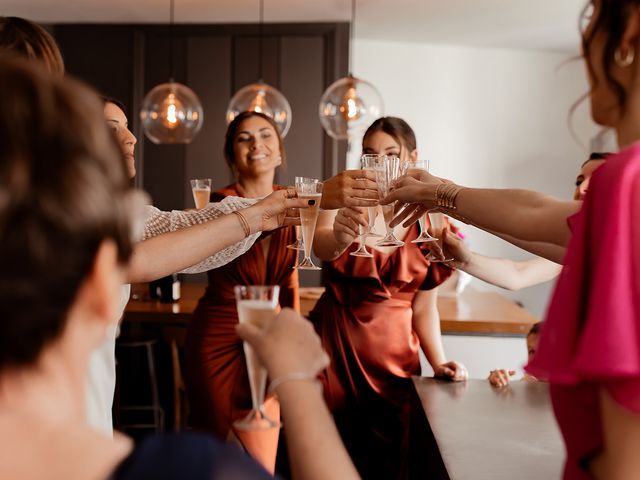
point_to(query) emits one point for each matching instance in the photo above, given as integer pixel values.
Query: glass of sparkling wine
(297, 245)
(309, 189)
(201, 188)
(438, 225)
(256, 305)
(386, 176)
(422, 221)
(371, 161)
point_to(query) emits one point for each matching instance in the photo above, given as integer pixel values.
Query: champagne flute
(201, 189)
(362, 249)
(309, 189)
(257, 305)
(369, 161)
(392, 169)
(298, 245)
(438, 224)
(422, 221)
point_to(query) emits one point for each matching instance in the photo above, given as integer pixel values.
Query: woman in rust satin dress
(374, 316)
(215, 367)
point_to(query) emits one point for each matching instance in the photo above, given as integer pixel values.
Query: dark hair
(535, 328)
(596, 156)
(63, 191)
(396, 128)
(611, 18)
(28, 39)
(116, 102)
(232, 131)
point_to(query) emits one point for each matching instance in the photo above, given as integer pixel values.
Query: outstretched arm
(523, 214)
(292, 353)
(179, 250)
(502, 272)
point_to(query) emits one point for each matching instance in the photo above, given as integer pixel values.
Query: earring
(627, 59)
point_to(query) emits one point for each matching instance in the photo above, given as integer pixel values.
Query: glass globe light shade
(348, 107)
(262, 98)
(171, 113)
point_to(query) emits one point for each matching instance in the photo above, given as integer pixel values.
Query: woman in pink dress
(589, 350)
(373, 318)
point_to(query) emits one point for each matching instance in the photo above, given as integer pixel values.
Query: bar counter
(472, 312)
(485, 433)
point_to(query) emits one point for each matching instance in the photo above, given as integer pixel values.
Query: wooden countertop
(472, 312)
(483, 432)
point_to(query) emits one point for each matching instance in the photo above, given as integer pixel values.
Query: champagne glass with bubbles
(256, 305)
(309, 189)
(297, 245)
(201, 189)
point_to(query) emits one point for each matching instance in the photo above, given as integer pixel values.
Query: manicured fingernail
(311, 202)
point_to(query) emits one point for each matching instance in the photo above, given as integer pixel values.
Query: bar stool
(144, 347)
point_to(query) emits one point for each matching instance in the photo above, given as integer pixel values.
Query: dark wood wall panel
(126, 61)
(208, 72)
(301, 71)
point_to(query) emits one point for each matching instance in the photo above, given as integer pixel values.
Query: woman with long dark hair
(373, 318)
(215, 366)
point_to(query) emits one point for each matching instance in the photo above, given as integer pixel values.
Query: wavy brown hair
(63, 191)
(611, 18)
(28, 39)
(395, 127)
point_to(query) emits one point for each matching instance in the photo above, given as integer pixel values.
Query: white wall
(486, 118)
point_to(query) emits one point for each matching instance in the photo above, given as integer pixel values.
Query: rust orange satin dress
(215, 367)
(364, 321)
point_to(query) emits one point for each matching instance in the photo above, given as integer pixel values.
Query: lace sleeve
(158, 222)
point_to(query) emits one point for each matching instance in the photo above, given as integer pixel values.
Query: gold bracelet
(291, 377)
(437, 194)
(243, 222)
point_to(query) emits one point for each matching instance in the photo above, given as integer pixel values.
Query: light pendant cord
(352, 35)
(260, 34)
(171, 11)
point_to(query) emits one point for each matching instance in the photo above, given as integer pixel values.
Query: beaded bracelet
(291, 377)
(243, 223)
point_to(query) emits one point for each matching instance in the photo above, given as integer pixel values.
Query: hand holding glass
(257, 305)
(438, 224)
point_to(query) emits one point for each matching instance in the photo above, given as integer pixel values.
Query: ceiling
(528, 24)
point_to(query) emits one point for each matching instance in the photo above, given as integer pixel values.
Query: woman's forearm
(510, 274)
(523, 214)
(315, 448)
(426, 324)
(176, 251)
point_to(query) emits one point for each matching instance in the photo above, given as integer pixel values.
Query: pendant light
(350, 104)
(260, 97)
(171, 112)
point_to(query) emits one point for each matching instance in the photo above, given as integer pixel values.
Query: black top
(188, 456)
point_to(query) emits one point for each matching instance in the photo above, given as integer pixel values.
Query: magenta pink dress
(591, 338)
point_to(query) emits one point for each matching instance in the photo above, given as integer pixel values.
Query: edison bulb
(348, 107)
(171, 113)
(261, 98)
